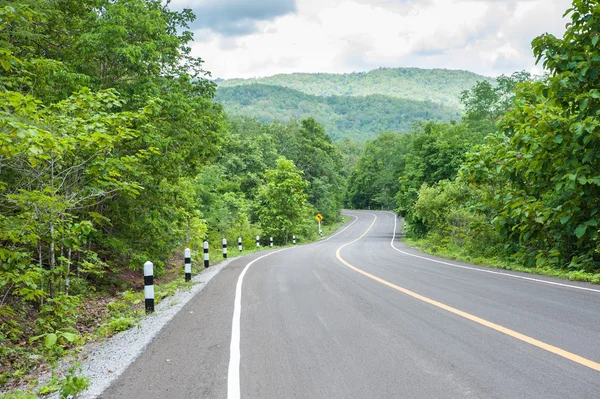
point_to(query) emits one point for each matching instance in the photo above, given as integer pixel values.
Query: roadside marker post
(240, 247)
(257, 241)
(149, 286)
(224, 248)
(187, 260)
(271, 242)
(206, 254)
(294, 239)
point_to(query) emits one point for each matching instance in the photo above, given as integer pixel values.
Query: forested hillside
(113, 153)
(527, 194)
(358, 118)
(442, 86)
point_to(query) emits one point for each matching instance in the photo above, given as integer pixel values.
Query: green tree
(373, 182)
(56, 165)
(544, 161)
(435, 153)
(312, 151)
(486, 102)
(282, 201)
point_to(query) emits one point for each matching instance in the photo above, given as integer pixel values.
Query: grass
(461, 255)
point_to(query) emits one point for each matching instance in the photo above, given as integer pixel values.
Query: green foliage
(448, 212)
(485, 103)
(543, 162)
(73, 384)
(435, 153)
(58, 313)
(123, 314)
(52, 385)
(57, 338)
(441, 86)
(18, 395)
(359, 118)
(392, 168)
(374, 180)
(313, 152)
(282, 201)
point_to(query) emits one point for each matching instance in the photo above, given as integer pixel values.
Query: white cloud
(485, 36)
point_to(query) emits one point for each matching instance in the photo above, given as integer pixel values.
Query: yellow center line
(522, 337)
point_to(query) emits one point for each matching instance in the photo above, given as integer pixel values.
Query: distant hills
(356, 105)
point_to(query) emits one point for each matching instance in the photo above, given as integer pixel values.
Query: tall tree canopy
(544, 160)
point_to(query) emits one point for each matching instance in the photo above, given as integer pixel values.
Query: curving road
(360, 315)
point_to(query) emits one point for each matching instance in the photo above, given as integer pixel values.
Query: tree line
(517, 179)
(113, 152)
(441, 86)
(355, 117)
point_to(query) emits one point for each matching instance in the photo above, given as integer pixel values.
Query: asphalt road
(354, 317)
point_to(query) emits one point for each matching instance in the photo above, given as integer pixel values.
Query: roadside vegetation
(516, 182)
(112, 153)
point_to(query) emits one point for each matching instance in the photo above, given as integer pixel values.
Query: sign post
(319, 217)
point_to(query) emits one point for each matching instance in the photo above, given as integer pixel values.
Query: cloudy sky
(252, 38)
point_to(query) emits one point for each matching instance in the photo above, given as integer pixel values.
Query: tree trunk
(52, 259)
(67, 273)
(41, 271)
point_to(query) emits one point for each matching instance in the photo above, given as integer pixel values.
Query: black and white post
(149, 286)
(240, 247)
(206, 254)
(187, 260)
(294, 239)
(224, 248)
(271, 242)
(257, 241)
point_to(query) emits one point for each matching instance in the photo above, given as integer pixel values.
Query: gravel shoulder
(103, 362)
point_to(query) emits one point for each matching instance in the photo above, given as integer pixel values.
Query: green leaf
(595, 40)
(584, 104)
(5, 64)
(50, 340)
(69, 336)
(540, 261)
(565, 219)
(580, 230)
(558, 139)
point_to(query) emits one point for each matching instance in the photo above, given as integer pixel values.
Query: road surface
(360, 315)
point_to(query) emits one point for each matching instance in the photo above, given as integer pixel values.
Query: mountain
(441, 86)
(357, 117)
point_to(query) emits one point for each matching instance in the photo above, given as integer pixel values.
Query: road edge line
(483, 270)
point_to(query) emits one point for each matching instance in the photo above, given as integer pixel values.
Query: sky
(255, 38)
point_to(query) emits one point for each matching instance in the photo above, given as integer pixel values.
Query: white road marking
(483, 270)
(233, 373)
